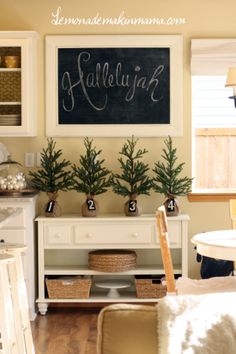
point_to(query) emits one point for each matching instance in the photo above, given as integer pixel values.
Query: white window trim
(211, 57)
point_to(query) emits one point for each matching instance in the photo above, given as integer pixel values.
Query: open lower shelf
(10, 103)
(98, 298)
(9, 69)
(83, 270)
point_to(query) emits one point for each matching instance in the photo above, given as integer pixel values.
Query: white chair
(186, 285)
(11, 343)
(13, 279)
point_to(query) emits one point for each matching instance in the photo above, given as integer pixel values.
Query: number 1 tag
(91, 204)
(50, 206)
(132, 206)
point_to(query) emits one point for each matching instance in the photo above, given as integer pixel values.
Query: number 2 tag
(91, 204)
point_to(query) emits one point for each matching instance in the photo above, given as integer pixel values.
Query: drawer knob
(2, 240)
(134, 234)
(89, 235)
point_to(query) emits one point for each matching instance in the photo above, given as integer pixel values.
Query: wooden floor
(66, 331)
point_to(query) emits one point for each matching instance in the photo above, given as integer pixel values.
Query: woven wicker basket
(150, 288)
(68, 288)
(112, 260)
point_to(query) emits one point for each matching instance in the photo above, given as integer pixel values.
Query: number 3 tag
(132, 206)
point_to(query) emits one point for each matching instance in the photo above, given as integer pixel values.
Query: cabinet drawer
(114, 234)
(17, 221)
(174, 234)
(57, 235)
(13, 236)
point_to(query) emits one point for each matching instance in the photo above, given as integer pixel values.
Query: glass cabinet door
(17, 84)
(10, 86)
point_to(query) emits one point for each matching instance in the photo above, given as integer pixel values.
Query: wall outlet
(29, 159)
(38, 159)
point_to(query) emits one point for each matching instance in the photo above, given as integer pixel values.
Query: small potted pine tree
(52, 177)
(167, 180)
(133, 180)
(91, 177)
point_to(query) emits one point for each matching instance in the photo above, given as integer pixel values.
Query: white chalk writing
(103, 79)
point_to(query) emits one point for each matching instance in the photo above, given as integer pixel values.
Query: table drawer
(114, 234)
(57, 235)
(174, 234)
(13, 236)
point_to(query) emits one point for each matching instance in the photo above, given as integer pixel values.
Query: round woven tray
(112, 260)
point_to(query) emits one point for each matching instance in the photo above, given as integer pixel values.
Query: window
(214, 134)
(213, 118)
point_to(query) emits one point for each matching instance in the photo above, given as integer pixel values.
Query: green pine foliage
(133, 179)
(52, 177)
(91, 177)
(166, 180)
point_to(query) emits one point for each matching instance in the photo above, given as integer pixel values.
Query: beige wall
(204, 19)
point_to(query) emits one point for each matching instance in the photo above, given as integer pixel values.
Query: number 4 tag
(171, 205)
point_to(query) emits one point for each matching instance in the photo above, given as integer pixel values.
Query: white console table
(64, 243)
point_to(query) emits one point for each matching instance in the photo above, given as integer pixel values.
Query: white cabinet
(21, 229)
(64, 244)
(18, 83)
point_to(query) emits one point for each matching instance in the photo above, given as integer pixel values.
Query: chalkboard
(113, 86)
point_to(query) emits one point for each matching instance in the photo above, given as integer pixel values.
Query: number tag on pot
(171, 205)
(91, 204)
(50, 206)
(132, 206)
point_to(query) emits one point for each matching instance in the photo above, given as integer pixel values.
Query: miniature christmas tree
(91, 177)
(52, 177)
(166, 180)
(133, 180)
